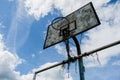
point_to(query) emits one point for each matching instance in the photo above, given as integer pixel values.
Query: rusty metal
(80, 60)
(73, 59)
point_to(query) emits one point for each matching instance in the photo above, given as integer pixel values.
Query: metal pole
(72, 59)
(100, 48)
(80, 60)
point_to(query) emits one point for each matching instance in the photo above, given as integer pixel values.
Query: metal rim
(55, 20)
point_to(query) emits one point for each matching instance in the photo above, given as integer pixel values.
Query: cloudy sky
(23, 27)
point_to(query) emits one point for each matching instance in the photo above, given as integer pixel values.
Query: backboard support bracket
(80, 61)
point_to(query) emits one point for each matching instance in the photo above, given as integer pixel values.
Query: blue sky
(23, 27)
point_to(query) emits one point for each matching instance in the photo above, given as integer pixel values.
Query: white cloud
(33, 55)
(8, 63)
(28, 76)
(116, 63)
(52, 74)
(1, 25)
(60, 49)
(68, 6)
(106, 33)
(1, 43)
(40, 8)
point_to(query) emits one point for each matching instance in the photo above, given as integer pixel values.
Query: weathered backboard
(80, 20)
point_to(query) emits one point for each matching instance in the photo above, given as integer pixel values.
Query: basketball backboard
(80, 20)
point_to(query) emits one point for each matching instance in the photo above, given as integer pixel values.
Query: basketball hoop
(58, 19)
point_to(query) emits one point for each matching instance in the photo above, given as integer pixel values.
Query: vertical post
(80, 61)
